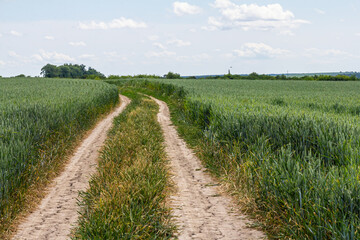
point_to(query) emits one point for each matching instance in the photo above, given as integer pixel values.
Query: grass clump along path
(126, 199)
(41, 121)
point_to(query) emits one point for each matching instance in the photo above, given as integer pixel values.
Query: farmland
(40, 120)
(291, 146)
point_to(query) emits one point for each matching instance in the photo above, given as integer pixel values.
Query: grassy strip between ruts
(126, 199)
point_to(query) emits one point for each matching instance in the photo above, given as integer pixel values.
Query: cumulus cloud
(319, 11)
(153, 37)
(25, 59)
(252, 16)
(259, 50)
(13, 54)
(183, 8)
(195, 58)
(2, 63)
(49, 38)
(77, 44)
(316, 52)
(55, 56)
(15, 33)
(179, 43)
(159, 46)
(160, 54)
(87, 56)
(114, 24)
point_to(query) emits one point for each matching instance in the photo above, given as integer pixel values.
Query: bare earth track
(201, 212)
(58, 211)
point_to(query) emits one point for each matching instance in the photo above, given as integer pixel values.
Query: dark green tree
(171, 75)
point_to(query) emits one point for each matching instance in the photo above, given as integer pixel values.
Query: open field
(40, 119)
(293, 147)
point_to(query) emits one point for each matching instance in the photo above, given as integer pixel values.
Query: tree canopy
(171, 75)
(70, 71)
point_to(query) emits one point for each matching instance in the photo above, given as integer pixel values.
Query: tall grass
(40, 119)
(126, 199)
(299, 163)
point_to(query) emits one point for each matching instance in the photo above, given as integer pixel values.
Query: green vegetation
(307, 77)
(126, 199)
(111, 77)
(70, 71)
(40, 120)
(171, 75)
(290, 146)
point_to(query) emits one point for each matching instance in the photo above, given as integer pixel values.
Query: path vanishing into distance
(199, 208)
(58, 212)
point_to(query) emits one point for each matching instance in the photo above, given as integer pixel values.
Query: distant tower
(229, 71)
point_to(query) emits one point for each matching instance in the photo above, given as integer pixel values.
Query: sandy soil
(200, 210)
(58, 211)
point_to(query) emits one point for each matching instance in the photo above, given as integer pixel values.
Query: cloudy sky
(191, 37)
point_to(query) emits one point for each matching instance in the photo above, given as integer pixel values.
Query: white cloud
(160, 54)
(87, 56)
(319, 11)
(2, 63)
(179, 43)
(315, 52)
(77, 44)
(252, 16)
(25, 59)
(114, 24)
(358, 34)
(259, 50)
(49, 38)
(1, 35)
(195, 58)
(55, 56)
(13, 54)
(183, 8)
(37, 57)
(153, 37)
(15, 33)
(159, 46)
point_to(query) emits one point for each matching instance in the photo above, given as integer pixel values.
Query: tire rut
(58, 211)
(199, 208)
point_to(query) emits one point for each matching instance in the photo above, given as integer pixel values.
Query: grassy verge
(126, 199)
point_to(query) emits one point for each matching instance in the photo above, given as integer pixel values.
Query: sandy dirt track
(57, 213)
(201, 212)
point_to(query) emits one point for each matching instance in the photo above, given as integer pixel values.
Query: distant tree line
(71, 71)
(135, 76)
(255, 76)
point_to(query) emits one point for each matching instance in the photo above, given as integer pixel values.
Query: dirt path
(57, 212)
(198, 206)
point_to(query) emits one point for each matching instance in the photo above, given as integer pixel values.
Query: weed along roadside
(126, 198)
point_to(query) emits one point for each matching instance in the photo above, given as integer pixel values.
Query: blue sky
(189, 37)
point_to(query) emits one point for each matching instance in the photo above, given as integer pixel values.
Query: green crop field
(293, 146)
(39, 121)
